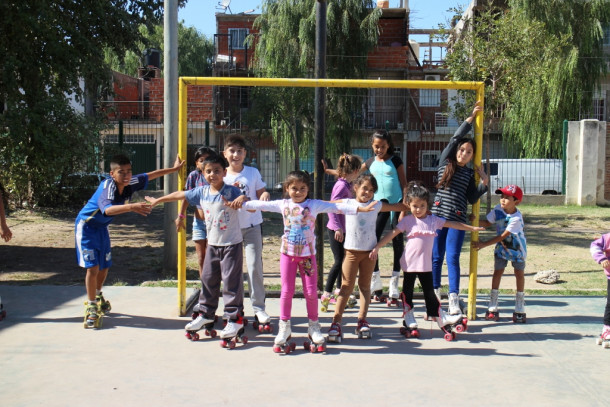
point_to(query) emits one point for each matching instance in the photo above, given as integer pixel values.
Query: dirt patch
(42, 250)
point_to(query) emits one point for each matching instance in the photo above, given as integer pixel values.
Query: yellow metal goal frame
(184, 82)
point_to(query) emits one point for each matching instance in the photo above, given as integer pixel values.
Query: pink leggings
(309, 275)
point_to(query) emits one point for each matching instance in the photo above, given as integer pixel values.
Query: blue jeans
(447, 241)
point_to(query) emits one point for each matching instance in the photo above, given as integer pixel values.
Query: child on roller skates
(6, 235)
(389, 171)
(196, 179)
(600, 250)
(298, 253)
(359, 241)
(510, 245)
(348, 168)
(421, 229)
(249, 181)
(91, 228)
(224, 255)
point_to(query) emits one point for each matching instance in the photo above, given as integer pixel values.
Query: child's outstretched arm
(384, 240)
(174, 196)
(482, 244)
(159, 173)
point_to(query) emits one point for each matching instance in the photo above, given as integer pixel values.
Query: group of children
(229, 196)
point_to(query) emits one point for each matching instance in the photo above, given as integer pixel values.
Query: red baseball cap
(511, 190)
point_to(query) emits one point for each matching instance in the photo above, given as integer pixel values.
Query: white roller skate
(377, 287)
(262, 322)
(317, 344)
(519, 314)
(450, 324)
(334, 333)
(393, 289)
(233, 333)
(492, 310)
(363, 330)
(604, 338)
(93, 316)
(200, 322)
(280, 344)
(409, 326)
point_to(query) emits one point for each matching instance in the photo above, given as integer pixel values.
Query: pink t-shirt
(417, 256)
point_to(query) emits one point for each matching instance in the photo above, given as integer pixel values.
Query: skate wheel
(244, 340)
(448, 336)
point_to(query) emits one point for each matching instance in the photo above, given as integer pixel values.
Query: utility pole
(170, 129)
(320, 131)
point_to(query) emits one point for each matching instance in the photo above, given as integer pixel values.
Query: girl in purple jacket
(600, 250)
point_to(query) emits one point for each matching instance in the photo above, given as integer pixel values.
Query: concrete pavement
(141, 358)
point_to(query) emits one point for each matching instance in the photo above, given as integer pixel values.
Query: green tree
(285, 47)
(195, 52)
(48, 49)
(537, 69)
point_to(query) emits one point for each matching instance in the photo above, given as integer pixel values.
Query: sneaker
(198, 323)
(232, 329)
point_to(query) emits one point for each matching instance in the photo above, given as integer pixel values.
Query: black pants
(425, 279)
(334, 275)
(607, 312)
(398, 243)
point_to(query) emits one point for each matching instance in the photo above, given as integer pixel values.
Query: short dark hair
(118, 160)
(216, 159)
(235, 140)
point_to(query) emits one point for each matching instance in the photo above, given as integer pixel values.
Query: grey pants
(222, 263)
(253, 243)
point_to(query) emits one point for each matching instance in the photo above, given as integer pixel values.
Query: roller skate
(363, 330)
(233, 333)
(318, 343)
(393, 290)
(103, 304)
(93, 316)
(377, 287)
(604, 338)
(334, 333)
(2, 310)
(262, 322)
(325, 300)
(351, 301)
(451, 324)
(281, 344)
(409, 326)
(492, 313)
(200, 322)
(519, 314)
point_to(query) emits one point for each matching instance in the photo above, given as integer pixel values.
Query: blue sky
(200, 13)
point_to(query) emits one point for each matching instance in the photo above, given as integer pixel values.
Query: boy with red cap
(510, 245)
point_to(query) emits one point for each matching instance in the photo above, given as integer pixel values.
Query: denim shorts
(500, 263)
(199, 230)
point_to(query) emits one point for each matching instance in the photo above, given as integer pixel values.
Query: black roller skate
(233, 333)
(199, 323)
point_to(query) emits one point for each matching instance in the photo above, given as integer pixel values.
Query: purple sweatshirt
(600, 250)
(341, 190)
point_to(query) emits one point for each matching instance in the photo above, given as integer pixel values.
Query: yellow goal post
(184, 82)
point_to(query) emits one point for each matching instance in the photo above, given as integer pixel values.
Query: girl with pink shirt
(298, 253)
(600, 251)
(420, 228)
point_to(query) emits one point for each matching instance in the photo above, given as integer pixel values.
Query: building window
(430, 97)
(238, 37)
(428, 160)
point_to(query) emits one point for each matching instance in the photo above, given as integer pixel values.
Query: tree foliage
(286, 48)
(195, 52)
(48, 49)
(540, 60)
